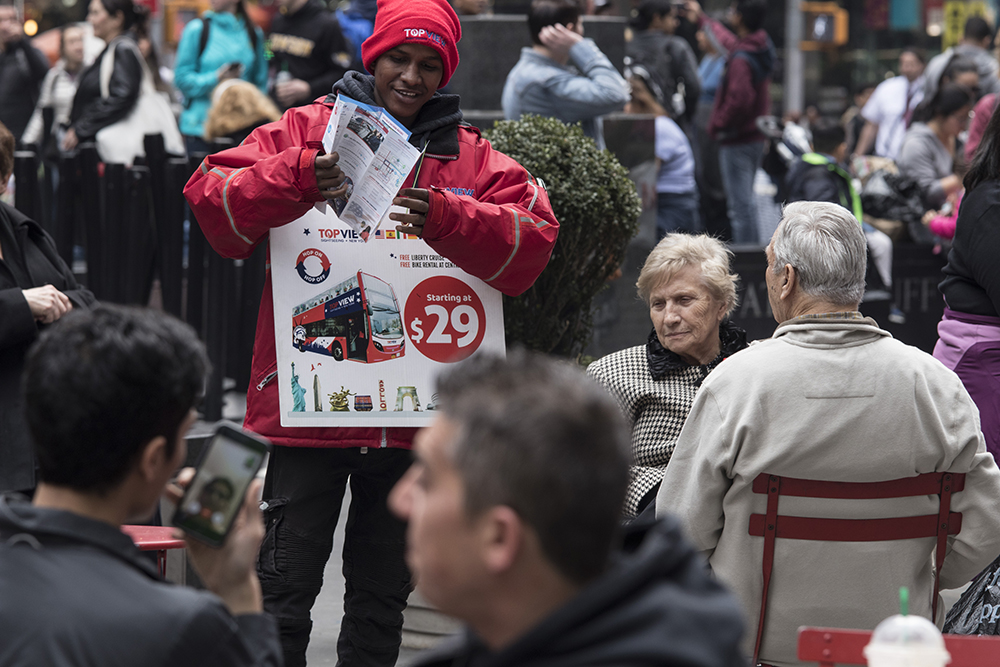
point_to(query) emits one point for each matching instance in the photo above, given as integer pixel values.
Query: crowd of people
(707, 80)
(565, 516)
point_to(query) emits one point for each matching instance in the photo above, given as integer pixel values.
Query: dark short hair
(537, 435)
(752, 12)
(551, 12)
(915, 52)
(7, 144)
(62, 36)
(100, 385)
(959, 65)
(827, 134)
(977, 28)
(648, 10)
(223, 482)
(948, 99)
(134, 15)
(867, 85)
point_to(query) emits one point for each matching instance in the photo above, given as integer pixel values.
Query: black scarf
(662, 361)
(435, 127)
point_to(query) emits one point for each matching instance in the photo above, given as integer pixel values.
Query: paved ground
(329, 608)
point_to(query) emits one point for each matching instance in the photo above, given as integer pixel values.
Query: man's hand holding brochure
(375, 157)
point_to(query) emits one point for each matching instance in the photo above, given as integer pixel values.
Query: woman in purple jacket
(969, 332)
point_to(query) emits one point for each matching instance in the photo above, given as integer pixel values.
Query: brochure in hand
(375, 156)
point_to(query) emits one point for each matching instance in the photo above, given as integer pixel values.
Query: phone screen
(211, 502)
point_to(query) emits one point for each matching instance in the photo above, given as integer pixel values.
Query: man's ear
(154, 458)
(787, 281)
(503, 538)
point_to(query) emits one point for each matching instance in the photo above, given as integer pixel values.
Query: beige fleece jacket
(830, 400)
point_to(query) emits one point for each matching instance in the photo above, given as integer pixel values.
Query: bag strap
(206, 27)
(107, 67)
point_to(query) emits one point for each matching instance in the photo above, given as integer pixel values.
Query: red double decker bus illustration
(357, 319)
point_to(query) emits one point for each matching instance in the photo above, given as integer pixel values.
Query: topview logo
(420, 33)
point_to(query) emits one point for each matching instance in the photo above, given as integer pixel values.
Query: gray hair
(825, 244)
(677, 251)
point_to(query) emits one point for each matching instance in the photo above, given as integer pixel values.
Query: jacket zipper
(383, 442)
(267, 380)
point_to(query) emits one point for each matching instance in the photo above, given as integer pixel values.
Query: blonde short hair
(236, 105)
(677, 251)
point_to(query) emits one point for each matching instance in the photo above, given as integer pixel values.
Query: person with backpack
(223, 44)
(742, 97)
(668, 58)
(310, 52)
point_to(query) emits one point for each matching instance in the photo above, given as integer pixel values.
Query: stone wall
(491, 46)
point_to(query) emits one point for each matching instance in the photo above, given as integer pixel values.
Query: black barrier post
(241, 340)
(65, 196)
(156, 162)
(197, 246)
(220, 280)
(26, 197)
(90, 197)
(170, 230)
(114, 240)
(48, 188)
(139, 237)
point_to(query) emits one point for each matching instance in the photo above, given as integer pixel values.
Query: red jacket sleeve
(239, 194)
(724, 36)
(505, 234)
(738, 99)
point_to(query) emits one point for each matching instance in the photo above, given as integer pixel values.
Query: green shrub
(598, 211)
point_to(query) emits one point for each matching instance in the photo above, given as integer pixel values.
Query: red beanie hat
(430, 22)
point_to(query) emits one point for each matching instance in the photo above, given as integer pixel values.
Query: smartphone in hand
(213, 499)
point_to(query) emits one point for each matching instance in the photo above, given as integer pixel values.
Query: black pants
(303, 492)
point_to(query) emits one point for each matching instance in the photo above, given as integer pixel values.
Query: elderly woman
(690, 292)
(36, 289)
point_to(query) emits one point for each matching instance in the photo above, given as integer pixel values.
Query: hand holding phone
(212, 500)
(229, 71)
(231, 570)
(224, 551)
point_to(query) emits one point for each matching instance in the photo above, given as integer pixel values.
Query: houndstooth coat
(655, 389)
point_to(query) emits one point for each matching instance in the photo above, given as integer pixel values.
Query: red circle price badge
(445, 319)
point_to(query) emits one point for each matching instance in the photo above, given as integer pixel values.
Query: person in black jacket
(110, 394)
(667, 57)
(36, 289)
(513, 508)
(310, 52)
(22, 68)
(113, 21)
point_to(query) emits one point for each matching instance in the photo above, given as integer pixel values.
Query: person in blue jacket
(232, 48)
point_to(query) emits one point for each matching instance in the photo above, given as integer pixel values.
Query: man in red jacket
(471, 204)
(742, 97)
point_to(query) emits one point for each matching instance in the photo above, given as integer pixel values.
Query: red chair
(831, 646)
(155, 538)
(771, 525)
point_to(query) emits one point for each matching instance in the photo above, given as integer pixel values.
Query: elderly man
(513, 506)
(830, 396)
